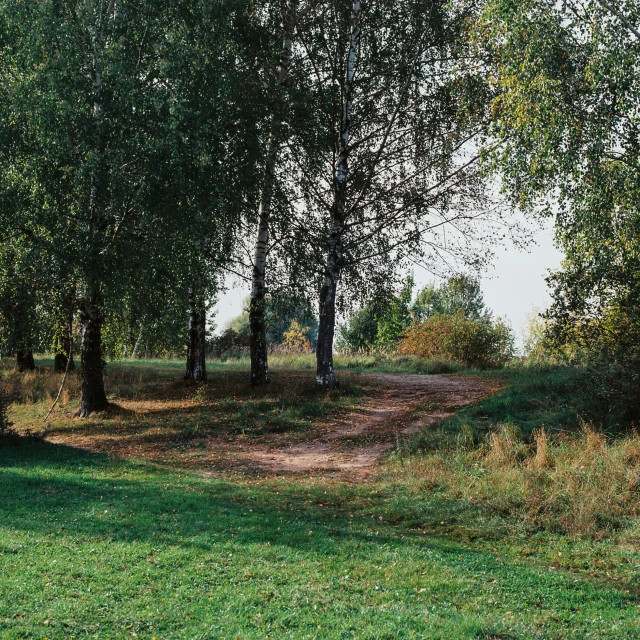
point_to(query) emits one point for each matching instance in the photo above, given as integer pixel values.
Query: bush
(295, 340)
(480, 343)
(231, 344)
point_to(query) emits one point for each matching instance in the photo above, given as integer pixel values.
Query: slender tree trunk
(24, 360)
(94, 397)
(127, 343)
(257, 325)
(136, 347)
(61, 358)
(196, 347)
(325, 374)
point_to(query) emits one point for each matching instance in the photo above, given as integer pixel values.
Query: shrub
(295, 339)
(231, 344)
(480, 343)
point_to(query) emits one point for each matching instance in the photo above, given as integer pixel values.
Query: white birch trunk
(136, 347)
(325, 374)
(259, 358)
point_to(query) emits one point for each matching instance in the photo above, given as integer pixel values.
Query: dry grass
(40, 385)
(581, 484)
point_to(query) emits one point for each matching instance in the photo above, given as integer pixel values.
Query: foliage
(565, 92)
(458, 293)
(533, 335)
(231, 343)
(282, 309)
(379, 324)
(478, 343)
(395, 317)
(295, 339)
(566, 142)
(360, 333)
(121, 181)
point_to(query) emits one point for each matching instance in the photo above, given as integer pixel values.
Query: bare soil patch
(173, 430)
(353, 446)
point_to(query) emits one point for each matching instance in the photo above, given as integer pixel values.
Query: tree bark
(94, 397)
(257, 325)
(24, 360)
(325, 374)
(196, 347)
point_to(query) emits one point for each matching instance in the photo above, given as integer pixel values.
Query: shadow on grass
(52, 489)
(353, 549)
(177, 416)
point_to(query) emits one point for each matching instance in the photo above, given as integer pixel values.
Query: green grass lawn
(96, 546)
(93, 547)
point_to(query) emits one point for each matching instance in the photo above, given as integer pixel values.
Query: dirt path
(346, 447)
(354, 445)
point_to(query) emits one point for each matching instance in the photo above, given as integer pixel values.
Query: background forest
(150, 150)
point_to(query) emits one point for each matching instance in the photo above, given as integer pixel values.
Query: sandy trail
(353, 446)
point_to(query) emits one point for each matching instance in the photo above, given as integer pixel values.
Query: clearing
(349, 445)
(166, 524)
(352, 446)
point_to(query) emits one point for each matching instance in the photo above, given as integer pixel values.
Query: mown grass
(97, 546)
(375, 363)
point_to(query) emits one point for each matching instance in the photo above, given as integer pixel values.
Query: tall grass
(527, 455)
(581, 485)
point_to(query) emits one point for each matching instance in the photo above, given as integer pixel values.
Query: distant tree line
(448, 321)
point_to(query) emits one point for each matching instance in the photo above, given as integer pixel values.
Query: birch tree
(396, 179)
(104, 99)
(566, 78)
(277, 132)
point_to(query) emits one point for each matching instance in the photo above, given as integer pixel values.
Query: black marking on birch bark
(196, 347)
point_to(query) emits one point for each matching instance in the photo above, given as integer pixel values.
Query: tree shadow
(75, 497)
(95, 495)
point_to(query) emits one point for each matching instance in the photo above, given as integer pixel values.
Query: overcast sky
(512, 287)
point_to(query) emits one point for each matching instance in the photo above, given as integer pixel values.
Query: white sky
(512, 288)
